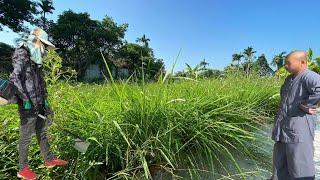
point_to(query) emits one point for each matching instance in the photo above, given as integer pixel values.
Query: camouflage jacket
(28, 77)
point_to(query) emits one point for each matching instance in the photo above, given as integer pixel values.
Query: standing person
(28, 77)
(295, 123)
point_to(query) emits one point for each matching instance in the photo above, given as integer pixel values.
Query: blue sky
(209, 29)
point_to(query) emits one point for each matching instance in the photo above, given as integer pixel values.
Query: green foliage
(199, 71)
(192, 72)
(278, 60)
(237, 58)
(247, 64)
(144, 40)
(13, 14)
(76, 36)
(313, 64)
(140, 61)
(80, 40)
(46, 6)
(262, 67)
(54, 70)
(136, 130)
(5, 59)
(310, 55)
(282, 72)
(248, 55)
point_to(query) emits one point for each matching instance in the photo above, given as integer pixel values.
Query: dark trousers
(293, 161)
(28, 127)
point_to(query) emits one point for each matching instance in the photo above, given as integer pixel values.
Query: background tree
(278, 60)
(203, 64)
(313, 64)
(249, 58)
(111, 39)
(5, 59)
(231, 69)
(80, 39)
(111, 35)
(14, 13)
(310, 55)
(46, 6)
(212, 73)
(262, 67)
(237, 58)
(192, 72)
(140, 60)
(199, 70)
(144, 40)
(317, 59)
(74, 35)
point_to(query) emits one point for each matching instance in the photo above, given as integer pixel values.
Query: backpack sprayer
(7, 92)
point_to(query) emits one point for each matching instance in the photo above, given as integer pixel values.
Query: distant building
(120, 70)
(93, 72)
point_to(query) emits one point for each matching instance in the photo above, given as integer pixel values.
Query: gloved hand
(46, 104)
(27, 105)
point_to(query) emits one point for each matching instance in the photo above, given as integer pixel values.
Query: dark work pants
(293, 161)
(28, 127)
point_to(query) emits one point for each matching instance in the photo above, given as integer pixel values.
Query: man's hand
(27, 105)
(309, 110)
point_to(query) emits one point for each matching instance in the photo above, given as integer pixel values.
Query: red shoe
(55, 162)
(27, 174)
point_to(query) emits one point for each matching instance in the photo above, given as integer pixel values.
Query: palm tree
(237, 58)
(310, 55)
(144, 40)
(249, 56)
(193, 72)
(278, 60)
(46, 7)
(203, 64)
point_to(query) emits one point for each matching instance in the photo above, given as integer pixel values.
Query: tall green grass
(183, 129)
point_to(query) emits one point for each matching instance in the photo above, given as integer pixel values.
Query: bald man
(295, 123)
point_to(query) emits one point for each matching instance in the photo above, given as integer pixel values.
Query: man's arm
(18, 62)
(44, 84)
(312, 84)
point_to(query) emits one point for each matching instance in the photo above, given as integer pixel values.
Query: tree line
(81, 40)
(246, 64)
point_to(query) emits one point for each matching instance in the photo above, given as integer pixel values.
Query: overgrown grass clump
(187, 128)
